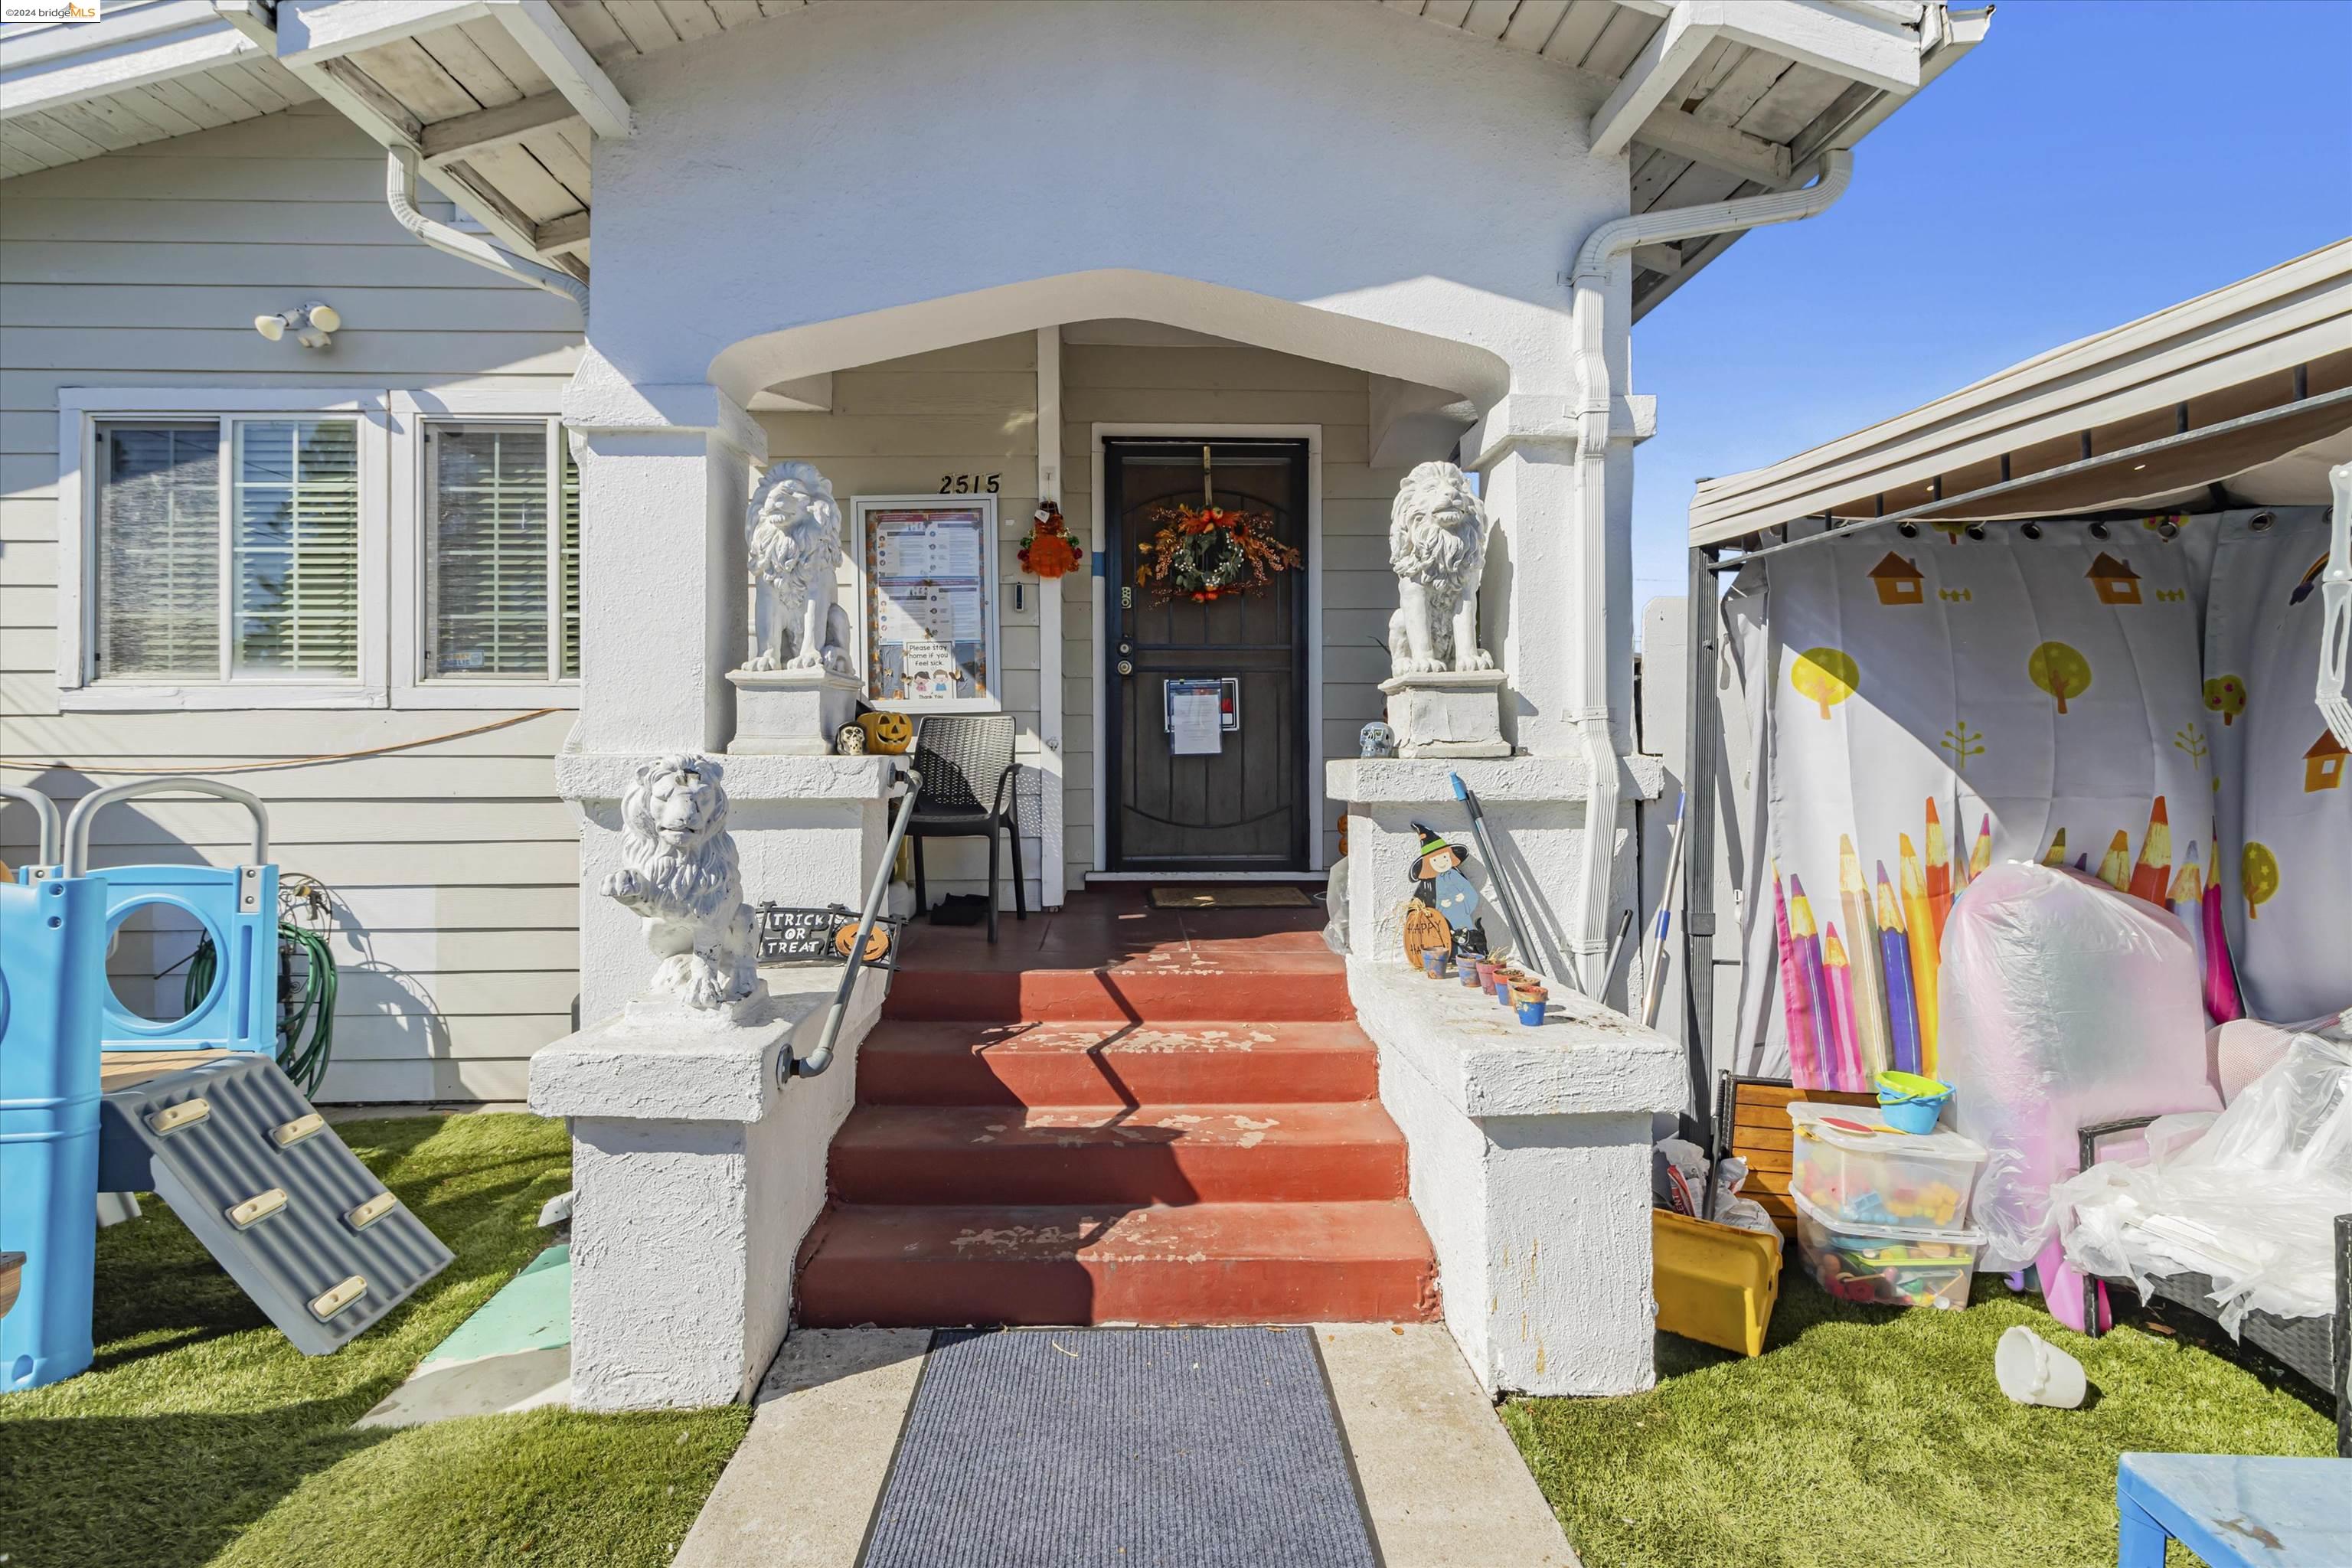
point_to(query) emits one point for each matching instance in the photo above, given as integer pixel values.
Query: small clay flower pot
(1433, 962)
(1486, 976)
(1529, 1001)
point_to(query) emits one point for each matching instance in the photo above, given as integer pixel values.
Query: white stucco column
(665, 473)
(1537, 599)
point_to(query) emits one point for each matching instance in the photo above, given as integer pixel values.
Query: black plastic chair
(966, 761)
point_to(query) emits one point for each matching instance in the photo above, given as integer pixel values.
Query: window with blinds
(501, 552)
(228, 550)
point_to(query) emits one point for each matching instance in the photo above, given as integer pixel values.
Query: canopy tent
(2214, 409)
(2249, 387)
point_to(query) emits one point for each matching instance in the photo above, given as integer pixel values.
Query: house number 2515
(970, 484)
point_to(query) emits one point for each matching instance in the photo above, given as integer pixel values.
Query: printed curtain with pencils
(1941, 702)
(2287, 802)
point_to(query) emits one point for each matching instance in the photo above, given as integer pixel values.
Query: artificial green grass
(200, 1436)
(1872, 1438)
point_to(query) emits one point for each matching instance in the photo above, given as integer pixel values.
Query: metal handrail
(78, 825)
(817, 1060)
(46, 810)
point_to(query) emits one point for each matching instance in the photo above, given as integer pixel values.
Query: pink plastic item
(2063, 1002)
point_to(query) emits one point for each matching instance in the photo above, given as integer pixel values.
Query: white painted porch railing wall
(145, 267)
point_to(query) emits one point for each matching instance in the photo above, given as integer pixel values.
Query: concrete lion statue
(678, 869)
(1437, 547)
(793, 531)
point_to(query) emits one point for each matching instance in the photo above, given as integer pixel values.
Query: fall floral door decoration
(1047, 550)
(1205, 552)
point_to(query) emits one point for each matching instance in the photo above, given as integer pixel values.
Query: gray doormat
(1126, 1447)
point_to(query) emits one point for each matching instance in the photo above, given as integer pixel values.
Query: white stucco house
(594, 265)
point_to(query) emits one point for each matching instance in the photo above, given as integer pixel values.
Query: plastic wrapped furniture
(2269, 1181)
(52, 983)
(2063, 1002)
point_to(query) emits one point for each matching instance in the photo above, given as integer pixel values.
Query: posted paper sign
(929, 569)
(1195, 723)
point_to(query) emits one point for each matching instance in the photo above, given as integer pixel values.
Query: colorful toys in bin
(1890, 1265)
(1882, 1214)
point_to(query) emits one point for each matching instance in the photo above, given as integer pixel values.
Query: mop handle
(1520, 933)
(1654, 987)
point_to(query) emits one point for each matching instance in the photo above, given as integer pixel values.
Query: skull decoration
(1377, 740)
(849, 741)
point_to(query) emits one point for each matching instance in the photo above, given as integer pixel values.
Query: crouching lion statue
(793, 531)
(678, 869)
(1437, 547)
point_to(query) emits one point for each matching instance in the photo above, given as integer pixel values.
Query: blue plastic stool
(2233, 1511)
(52, 988)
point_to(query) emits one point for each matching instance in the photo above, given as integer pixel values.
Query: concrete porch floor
(1443, 1485)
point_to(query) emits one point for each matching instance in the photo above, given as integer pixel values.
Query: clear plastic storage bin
(1889, 1265)
(1877, 1175)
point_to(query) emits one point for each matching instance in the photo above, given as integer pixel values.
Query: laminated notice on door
(1195, 723)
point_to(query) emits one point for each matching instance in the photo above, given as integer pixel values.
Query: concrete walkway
(1443, 1484)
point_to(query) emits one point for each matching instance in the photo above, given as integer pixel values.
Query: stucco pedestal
(697, 1173)
(1451, 713)
(790, 712)
(1530, 1167)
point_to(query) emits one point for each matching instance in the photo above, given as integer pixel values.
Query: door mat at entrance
(1148, 1448)
(1239, 896)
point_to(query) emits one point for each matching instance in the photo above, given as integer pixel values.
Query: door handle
(1127, 667)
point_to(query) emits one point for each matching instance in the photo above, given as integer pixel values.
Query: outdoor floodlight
(311, 325)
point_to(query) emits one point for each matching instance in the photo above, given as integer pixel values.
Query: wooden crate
(1752, 1122)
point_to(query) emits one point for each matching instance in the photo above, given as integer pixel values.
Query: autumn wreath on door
(1205, 552)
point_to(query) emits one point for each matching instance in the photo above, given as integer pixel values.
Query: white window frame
(413, 685)
(80, 412)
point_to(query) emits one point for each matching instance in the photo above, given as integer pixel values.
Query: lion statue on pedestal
(1437, 547)
(793, 532)
(679, 870)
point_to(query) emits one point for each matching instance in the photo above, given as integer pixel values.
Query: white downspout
(1596, 261)
(400, 196)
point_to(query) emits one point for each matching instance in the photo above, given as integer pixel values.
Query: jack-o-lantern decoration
(878, 941)
(887, 735)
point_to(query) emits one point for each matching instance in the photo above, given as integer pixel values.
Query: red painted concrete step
(1276, 988)
(1202, 1263)
(1160, 1154)
(1109, 1064)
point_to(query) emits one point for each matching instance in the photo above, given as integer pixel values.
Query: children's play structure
(97, 1098)
(2018, 740)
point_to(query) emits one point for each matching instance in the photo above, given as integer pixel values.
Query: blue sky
(2091, 161)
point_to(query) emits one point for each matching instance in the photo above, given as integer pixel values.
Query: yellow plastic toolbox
(1715, 1283)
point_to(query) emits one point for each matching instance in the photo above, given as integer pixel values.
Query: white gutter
(400, 196)
(1603, 252)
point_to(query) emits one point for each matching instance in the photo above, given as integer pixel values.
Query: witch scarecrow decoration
(1443, 912)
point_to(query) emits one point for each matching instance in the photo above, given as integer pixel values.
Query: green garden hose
(306, 1023)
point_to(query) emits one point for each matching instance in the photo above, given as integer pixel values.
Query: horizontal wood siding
(897, 428)
(455, 865)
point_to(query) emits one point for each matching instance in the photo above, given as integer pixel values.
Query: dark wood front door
(1246, 806)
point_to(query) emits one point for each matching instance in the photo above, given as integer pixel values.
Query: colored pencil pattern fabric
(1939, 704)
(2285, 861)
